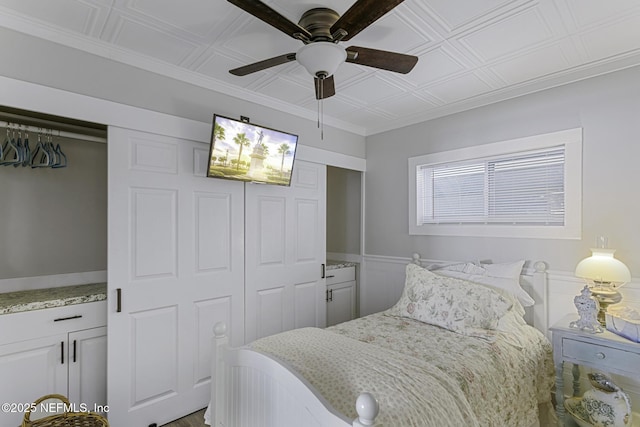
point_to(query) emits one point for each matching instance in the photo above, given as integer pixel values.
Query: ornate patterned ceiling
(472, 52)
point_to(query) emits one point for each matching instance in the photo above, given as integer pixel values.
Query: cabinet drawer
(50, 321)
(340, 275)
(601, 355)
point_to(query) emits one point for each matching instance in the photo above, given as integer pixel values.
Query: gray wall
(54, 221)
(343, 210)
(608, 110)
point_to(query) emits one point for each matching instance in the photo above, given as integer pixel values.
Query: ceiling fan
(320, 29)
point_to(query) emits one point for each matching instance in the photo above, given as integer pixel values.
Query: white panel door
(29, 370)
(285, 250)
(341, 302)
(88, 368)
(176, 245)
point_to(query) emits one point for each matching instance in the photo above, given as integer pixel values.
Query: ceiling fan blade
(271, 17)
(362, 14)
(263, 65)
(324, 87)
(390, 61)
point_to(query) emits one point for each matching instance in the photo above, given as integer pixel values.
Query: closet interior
(53, 197)
(53, 254)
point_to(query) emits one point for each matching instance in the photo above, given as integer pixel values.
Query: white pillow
(463, 267)
(457, 305)
(504, 276)
(508, 270)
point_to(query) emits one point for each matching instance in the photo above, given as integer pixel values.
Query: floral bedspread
(341, 368)
(422, 375)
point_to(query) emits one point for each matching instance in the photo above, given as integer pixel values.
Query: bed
(455, 350)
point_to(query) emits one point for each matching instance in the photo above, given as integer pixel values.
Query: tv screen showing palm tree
(246, 152)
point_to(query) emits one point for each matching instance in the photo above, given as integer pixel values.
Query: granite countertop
(36, 299)
(334, 265)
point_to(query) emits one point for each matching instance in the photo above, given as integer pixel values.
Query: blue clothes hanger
(61, 158)
(16, 151)
(11, 150)
(2, 148)
(26, 151)
(41, 152)
(19, 149)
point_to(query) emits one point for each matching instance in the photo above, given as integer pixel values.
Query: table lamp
(605, 275)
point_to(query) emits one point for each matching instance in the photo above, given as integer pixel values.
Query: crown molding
(575, 74)
(16, 22)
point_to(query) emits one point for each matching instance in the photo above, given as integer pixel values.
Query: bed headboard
(534, 281)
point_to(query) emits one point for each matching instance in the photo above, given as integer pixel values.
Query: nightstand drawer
(600, 354)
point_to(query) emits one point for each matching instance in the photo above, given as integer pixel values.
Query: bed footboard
(249, 388)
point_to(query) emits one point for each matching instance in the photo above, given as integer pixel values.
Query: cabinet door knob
(600, 355)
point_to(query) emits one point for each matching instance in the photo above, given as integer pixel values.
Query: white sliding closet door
(176, 244)
(285, 250)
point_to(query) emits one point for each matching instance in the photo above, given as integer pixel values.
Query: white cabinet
(341, 295)
(37, 357)
(30, 369)
(87, 364)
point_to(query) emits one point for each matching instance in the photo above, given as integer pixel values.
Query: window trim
(572, 229)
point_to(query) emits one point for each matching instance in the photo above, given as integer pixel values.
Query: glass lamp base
(605, 298)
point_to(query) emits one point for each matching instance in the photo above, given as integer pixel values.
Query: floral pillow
(458, 305)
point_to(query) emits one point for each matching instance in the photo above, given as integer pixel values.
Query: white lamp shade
(601, 266)
(321, 57)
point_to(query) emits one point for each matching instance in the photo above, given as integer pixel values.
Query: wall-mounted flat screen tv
(247, 152)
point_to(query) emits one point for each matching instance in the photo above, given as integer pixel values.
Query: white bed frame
(249, 388)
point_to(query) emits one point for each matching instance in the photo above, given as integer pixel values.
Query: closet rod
(55, 132)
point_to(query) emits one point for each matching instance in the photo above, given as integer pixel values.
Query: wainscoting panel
(382, 282)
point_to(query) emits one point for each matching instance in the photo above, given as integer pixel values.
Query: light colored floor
(194, 420)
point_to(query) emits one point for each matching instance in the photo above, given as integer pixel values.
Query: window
(529, 187)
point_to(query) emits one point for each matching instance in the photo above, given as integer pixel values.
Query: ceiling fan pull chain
(320, 105)
(321, 120)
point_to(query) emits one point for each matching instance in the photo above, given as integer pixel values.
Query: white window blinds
(525, 188)
(528, 187)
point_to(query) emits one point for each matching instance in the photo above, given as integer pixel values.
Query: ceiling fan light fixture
(321, 58)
